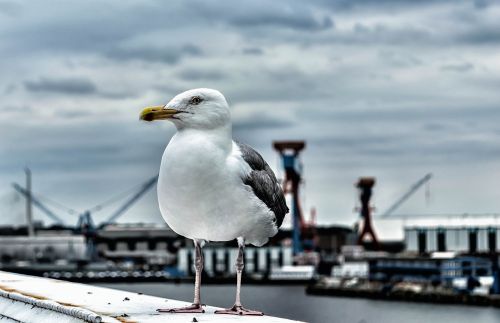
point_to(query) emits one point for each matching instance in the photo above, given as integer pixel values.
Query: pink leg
(237, 308)
(196, 307)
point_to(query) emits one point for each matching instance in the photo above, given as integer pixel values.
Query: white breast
(202, 196)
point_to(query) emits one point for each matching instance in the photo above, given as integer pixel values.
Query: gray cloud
(295, 20)
(482, 4)
(402, 5)
(9, 88)
(482, 114)
(382, 33)
(434, 126)
(80, 86)
(263, 14)
(415, 150)
(400, 59)
(253, 51)
(481, 35)
(461, 67)
(10, 9)
(201, 74)
(260, 122)
(70, 114)
(169, 55)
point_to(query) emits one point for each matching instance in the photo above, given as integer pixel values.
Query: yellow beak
(157, 113)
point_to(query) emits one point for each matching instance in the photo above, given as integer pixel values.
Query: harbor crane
(86, 225)
(128, 203)
(405, 196)
(36, 202)
(365, 185)
(85, 219)
(85, 222)
(303, 233)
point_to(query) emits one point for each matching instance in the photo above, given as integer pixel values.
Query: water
(292, 302)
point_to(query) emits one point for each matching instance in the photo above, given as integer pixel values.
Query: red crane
(365, 185)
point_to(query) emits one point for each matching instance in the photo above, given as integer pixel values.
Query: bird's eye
(195, 100)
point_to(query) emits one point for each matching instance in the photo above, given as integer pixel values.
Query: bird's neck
(221, 137)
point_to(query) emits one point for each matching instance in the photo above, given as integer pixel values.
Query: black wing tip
(284, 210)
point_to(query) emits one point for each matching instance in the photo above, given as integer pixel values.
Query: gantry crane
(303, 233)
(365, 185)
(405, 196)
(36, 202)
(129, 202)
(86, 224)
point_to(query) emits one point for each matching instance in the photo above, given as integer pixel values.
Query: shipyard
(447, 259)
(252, 161)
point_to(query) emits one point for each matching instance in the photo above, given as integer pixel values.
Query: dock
(42, 300)
(404, 295)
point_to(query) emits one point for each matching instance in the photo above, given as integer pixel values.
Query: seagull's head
(197, 108)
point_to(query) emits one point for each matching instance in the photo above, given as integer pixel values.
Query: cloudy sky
(392, 89)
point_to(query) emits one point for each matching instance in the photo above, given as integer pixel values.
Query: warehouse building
(467, 235)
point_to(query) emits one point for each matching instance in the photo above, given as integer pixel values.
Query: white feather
(200, 188)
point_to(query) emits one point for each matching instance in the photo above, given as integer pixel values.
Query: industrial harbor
(444, 260)
(249, 161)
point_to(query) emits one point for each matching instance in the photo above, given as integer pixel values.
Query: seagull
(212, 188)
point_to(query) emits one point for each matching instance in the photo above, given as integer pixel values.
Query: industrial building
(43, 249)
(478, 235)
(219, 261)
(428, 268)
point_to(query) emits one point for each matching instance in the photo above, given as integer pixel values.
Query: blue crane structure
(302, 233)
(129, 202)
(86, 225)
(85, 219)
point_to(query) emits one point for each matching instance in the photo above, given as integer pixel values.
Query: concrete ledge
(42, 300)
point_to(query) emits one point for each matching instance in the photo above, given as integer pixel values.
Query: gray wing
(264, 183)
